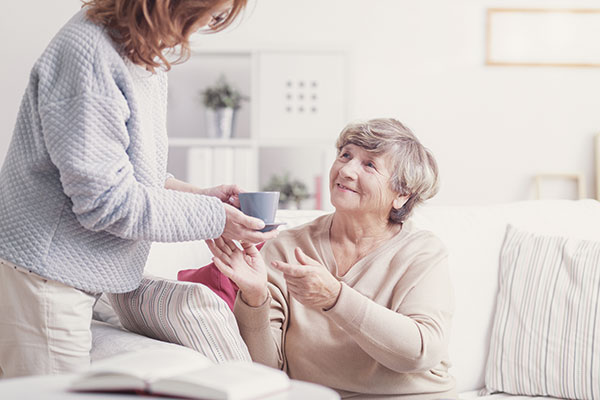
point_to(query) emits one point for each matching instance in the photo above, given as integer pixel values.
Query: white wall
(491, 128)
(26, 28)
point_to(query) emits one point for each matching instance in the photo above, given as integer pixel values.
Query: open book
(181, 374)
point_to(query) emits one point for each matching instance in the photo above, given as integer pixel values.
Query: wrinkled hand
(239, 226)
(226, 193)
(310, 282)
(245, 267)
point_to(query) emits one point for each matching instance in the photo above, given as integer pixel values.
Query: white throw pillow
(185, 313)
(546, 335)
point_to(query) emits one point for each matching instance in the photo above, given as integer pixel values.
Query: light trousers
(44, 324)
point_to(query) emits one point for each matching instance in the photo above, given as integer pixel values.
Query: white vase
(220, 122)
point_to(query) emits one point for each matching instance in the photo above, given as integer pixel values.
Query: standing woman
(84, 188)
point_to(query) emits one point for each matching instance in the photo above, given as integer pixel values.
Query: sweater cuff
(252, 318)
(216, 211)
(350, 309)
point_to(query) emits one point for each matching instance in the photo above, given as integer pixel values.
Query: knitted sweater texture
(82, 187)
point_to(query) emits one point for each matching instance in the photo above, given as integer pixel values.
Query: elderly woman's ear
(400, 201)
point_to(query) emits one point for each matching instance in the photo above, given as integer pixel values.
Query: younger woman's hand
(244, 266)
(239, 226)
(226, 193)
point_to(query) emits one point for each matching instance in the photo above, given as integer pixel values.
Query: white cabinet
(301, 97)
(295, 112)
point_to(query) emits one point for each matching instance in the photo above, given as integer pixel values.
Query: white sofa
(473, 236)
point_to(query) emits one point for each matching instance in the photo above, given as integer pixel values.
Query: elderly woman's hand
(245, 267)
(310, 282)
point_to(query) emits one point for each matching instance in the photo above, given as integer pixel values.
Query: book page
(232, 380)
(150, 365)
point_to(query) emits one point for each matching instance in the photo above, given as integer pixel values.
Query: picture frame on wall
(542, 37)
(547, 179)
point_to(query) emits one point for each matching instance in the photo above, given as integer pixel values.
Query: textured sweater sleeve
(413, 337)
(87, 140)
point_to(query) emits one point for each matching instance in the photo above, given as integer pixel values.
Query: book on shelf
(222, 168)
(244, 171)
(208, 167)
(186, 375)
(200, 167)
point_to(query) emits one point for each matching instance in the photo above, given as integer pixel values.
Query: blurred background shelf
(295, 111)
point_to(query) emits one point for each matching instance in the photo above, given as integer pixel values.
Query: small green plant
(222, 95)
(289, 189)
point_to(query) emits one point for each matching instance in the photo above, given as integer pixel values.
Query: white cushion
(476, 395)
(546, 335)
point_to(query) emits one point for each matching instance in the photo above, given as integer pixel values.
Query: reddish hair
(145, 28)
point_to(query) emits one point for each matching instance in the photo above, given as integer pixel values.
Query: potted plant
(291, 191)
(221, 102)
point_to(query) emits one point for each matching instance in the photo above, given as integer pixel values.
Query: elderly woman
(358, 300)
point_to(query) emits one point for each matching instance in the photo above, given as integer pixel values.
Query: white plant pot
(219, 122)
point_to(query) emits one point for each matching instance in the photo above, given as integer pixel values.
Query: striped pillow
(546, 335)
(184, 313)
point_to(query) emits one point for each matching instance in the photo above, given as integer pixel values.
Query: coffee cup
(261, 205)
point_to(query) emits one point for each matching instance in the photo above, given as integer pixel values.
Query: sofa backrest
(473, 236)
(166, 259)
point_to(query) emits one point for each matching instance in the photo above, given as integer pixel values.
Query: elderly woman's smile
(344, 188)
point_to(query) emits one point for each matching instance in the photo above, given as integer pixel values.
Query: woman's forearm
(412, 338)
(181, 186)
(262, 337)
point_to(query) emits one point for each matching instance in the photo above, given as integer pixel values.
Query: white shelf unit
(296, 109)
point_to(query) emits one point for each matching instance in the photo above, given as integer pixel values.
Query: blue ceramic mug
(261, 205)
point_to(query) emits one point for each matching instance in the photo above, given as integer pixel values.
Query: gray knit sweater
(82, 186)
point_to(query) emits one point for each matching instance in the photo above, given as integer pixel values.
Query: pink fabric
(210, 276)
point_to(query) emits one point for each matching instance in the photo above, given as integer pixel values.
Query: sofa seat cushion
(109, 340)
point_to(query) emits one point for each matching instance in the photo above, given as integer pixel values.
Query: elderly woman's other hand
(310, 282)
(244, 266)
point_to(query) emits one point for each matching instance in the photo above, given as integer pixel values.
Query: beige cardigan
(386, 335)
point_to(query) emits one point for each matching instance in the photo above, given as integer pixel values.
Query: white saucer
(270, 227)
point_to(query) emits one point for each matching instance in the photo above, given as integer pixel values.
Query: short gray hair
(415, 171)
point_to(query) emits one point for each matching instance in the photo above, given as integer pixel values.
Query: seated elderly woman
(358, 300)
